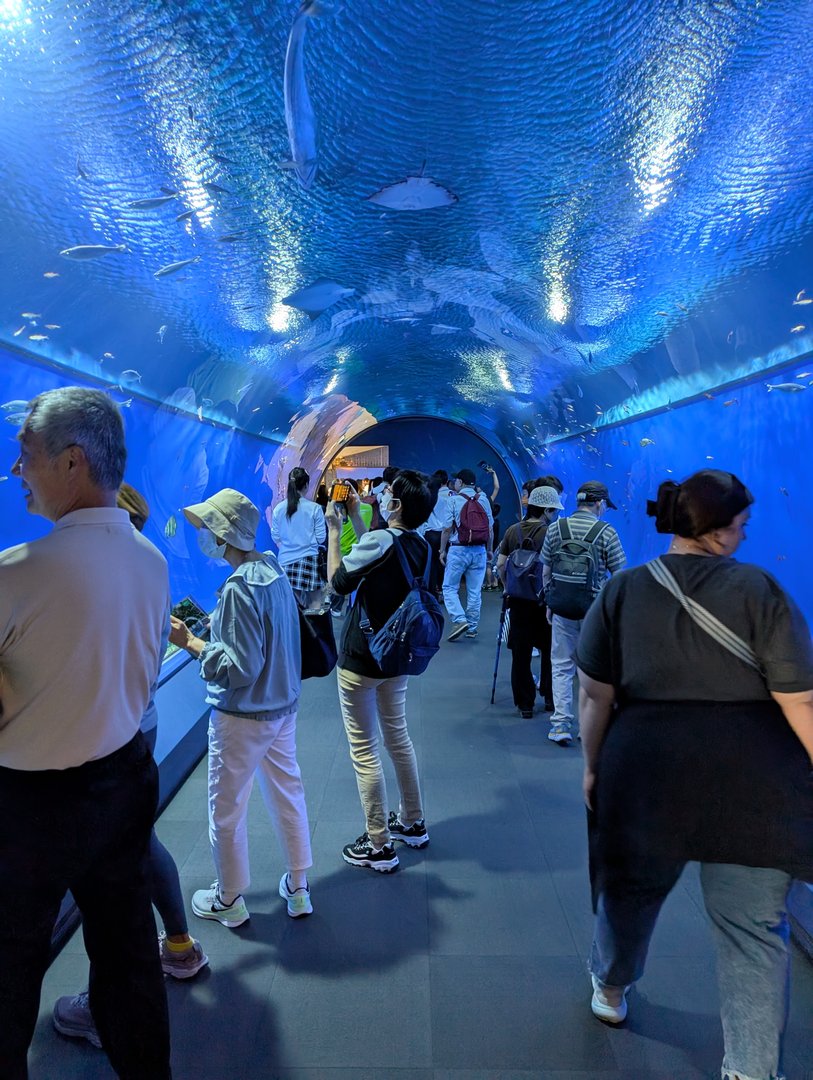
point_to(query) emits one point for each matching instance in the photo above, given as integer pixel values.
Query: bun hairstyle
(298, 481)
(707, 500)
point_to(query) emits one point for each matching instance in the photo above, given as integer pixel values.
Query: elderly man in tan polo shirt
(81, 617)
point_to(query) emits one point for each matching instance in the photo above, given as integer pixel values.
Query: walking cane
(499, 644)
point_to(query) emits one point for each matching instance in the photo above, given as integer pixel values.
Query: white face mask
(208, 544)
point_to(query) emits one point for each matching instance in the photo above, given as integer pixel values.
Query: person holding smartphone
(354, 526)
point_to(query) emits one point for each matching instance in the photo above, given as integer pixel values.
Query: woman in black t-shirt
(697, 728)
(369, 701)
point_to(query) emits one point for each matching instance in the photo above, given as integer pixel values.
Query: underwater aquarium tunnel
(563, 238)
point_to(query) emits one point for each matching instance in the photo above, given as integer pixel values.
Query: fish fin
(287, 164)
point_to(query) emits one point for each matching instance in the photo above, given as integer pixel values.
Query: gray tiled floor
(468, 964)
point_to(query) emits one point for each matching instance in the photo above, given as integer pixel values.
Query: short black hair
(442, 475)
(377, 480)
(417, 501)
(390, 473)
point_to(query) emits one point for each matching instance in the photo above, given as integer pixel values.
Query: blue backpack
(524, 570)
(411, 635)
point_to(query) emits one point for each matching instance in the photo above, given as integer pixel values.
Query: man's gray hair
(78, 416)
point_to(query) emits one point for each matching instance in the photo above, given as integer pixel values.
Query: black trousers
(529, 629)
(85, 829)
(432, 537)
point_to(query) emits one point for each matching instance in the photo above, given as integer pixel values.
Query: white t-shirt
(82, 615)
(437, 519)
(300, 534)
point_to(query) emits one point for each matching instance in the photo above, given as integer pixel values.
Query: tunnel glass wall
(760, 434)
(174, 459)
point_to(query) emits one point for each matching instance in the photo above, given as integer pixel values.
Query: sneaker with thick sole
(362, 853)
(471, 632)
(609, 1002)
(206, 904)
(72, 1018)
(460, 629)
(181, 965)
(299, 901)
(415, 836)
(560, 733)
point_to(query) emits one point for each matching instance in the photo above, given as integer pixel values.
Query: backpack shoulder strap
(407, 569)
(532, 535)
(364, 620)
(703, 618)
(596, 531)
(564, 530)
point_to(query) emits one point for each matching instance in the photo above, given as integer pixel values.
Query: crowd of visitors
(725, 659)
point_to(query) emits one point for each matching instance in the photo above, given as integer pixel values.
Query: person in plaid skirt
(299, 531)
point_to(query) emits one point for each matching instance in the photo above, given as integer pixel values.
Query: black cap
(593, 492)
(467, 476)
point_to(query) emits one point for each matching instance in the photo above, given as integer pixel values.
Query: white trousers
(564, 639)
(239, 748)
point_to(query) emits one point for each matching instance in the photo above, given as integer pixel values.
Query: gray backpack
(575, 581)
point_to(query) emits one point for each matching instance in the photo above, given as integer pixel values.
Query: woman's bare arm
(596, 700)
(798, 710)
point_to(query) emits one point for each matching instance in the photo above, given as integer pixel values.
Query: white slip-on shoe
(609, 1002)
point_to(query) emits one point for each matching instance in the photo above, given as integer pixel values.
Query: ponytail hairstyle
(298, 481)
(708, 500)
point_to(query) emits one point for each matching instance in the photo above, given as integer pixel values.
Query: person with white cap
(579, 552)
(529, 628)
(252, 666)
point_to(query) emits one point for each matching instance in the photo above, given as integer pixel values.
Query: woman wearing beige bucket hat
(251, 665)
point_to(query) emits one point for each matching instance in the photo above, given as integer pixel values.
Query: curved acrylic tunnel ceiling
(530, 218)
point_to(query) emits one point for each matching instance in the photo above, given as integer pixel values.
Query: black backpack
(574, 582)
(524, 570)
(411, 635)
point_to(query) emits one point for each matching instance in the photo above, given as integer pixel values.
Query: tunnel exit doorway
(427, 443)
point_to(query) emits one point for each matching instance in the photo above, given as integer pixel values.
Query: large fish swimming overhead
(90, 251)
(298, 109)
(318, 297)
(414, 193)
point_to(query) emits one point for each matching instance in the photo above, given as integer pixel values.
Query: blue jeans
(746, 906)
(469, 563)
